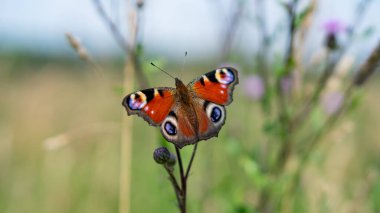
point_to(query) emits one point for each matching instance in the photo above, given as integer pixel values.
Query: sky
(169, 27)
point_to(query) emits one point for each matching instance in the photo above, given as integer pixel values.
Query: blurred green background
(60, 126)
(78, 169)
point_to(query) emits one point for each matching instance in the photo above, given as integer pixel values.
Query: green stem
(182, 203)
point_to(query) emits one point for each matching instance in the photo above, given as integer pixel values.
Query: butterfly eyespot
(216, 114)
(224, 76)
(170, 128)
(137, 101)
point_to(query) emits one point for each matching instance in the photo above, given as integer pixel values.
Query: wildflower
(161, 155)
(254, 87)
(334, 26)
(332, 102)
(286, 84)
(332, 29)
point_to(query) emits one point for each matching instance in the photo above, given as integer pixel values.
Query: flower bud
(161, 155)
(333, 28)
(331, 41)
(172, 160)
(140, 3)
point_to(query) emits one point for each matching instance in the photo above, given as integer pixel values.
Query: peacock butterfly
(186, 114)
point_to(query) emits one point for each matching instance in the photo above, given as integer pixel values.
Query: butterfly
(188, 113)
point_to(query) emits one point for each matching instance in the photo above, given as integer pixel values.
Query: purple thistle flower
(334, 26)
(332, 102)
(254, 87)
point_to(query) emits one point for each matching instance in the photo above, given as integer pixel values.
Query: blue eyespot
(216, 114)
(170, 128)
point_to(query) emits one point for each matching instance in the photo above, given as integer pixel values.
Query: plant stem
(128, 47)
(126, 148)
(283, 116)
(181, 191)
(230, 32)
(191, 161)
(173, 180)
(303, 114)
(182, 196)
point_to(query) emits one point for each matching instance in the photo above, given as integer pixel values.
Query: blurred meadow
(302, 134)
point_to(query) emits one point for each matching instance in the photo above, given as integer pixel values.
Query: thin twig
(191, 161)
(173, 180)
(283, 117)
(301, 116)
(182, 204)
(179, 161)
(118, 36)
(230, 30)
(290, 48)
(262, 54)
(368, 68)
(127, 47)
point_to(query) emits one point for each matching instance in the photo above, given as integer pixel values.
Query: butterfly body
(187, 113)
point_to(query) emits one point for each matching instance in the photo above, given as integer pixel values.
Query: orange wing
(216, 86)
(153, 104)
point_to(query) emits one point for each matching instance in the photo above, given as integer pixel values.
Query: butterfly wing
(211, 118)
(179, 127)
(186, 125)
(216, 86)
(153, 104)
(212, 92)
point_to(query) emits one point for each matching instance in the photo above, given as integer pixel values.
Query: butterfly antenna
(183, 64)
(161, 70)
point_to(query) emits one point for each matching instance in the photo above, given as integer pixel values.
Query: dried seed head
(77, 46)
(172, 160)
(161, 155)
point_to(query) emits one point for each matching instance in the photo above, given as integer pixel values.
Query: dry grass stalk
(126, 147)
(84, 55)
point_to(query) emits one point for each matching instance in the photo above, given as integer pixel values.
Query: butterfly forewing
(152, 104)
(216, 86)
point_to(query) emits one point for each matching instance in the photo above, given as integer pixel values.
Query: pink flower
(334, 26)
(286, 84)
(254, 87)
(332, 102)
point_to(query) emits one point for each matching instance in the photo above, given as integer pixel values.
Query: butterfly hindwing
(187, 125)
(179, 126)
(153, 104)
(216, 86)
(211, 118)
